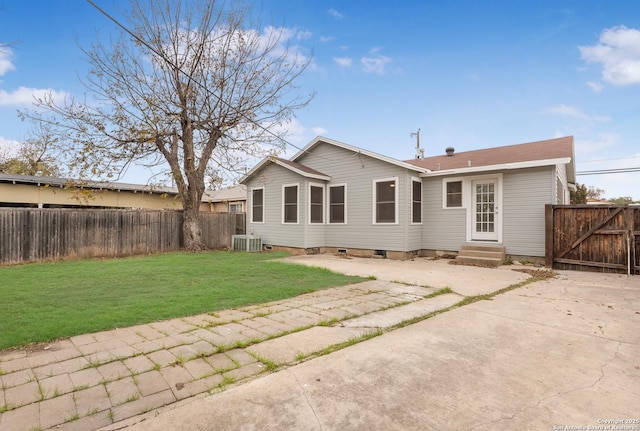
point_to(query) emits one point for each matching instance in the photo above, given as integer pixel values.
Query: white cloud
(284, 35)
(376, 63)
(618, 51)
(325, 39)
(26, 96)
(334, 13)
(343, 61)
(319, 131)
(303, 34)
(5, 60)
(595, 86)
(293, 131)
(569, 111)
(8, 147)
(597, 145)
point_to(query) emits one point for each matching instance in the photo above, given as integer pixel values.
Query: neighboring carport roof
(233, 193)
(540, 153)
(208, 196)
(89, 184)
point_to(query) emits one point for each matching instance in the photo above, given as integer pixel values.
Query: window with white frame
(257, 205)
(453, 194)
(416, 201)
(385, 200)
(316, 203)
(337, 204)
(235, 207)
(290, 203)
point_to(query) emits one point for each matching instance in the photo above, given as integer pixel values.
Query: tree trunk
(191, 232)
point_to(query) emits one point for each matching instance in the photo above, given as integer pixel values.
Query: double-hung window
(453, 194)
(416, 201)
(385, 193)
(316, 203)
(290, 203)
(257, 205)
(337, 204)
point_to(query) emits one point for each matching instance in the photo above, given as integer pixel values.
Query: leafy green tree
(579, 197)
(584, 192)
(193, 89)
(595, 192)
(623, 200)
(34, 156)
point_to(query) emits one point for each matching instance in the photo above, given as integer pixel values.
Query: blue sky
(469, 74)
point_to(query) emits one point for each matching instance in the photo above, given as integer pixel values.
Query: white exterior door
(484, 220)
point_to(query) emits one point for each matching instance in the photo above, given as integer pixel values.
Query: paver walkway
(95, 380)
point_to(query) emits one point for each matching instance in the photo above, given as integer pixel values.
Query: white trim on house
(329, 187)
(320, 139)
(301, 172)
(235, 206)
(504, 166)
(445, 181)
(419, 181)
(250, 204)
(467, 202)
(324, 203)
(374, 200)
(297, 186)
(278, 162)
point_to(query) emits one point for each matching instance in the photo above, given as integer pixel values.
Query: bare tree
(190, 86)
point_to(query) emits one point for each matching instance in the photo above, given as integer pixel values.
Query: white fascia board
(259, 166)
(358, 151)
(303, 173)
(501, 167)
(255, 169)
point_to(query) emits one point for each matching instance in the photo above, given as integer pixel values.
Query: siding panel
(358, 172)
(525, 194)
(444, 229)
(273, 231)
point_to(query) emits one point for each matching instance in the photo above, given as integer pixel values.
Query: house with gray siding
(332, 197)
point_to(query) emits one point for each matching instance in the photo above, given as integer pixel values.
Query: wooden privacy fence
(593, 238)
(28, 235)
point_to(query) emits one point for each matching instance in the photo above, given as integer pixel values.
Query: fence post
(630, 237)
(548, 235)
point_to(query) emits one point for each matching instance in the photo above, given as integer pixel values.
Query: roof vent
(450, 151)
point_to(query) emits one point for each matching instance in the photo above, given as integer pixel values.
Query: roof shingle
(532, 151)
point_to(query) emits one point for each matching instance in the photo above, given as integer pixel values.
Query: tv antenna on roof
(419, 151)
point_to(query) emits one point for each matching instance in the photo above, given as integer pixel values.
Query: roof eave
(357, 150)
(300, 172)
(499, 167)
(255, 169)
(259, 166)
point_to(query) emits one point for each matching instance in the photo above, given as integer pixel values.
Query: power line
(199, 84)
(608, 160)
(609, 171)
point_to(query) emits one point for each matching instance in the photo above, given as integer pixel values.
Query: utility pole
(419, 151)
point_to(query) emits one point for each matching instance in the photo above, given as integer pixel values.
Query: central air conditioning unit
(246, 243)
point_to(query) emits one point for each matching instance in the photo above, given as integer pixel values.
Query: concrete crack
(541, 400)
(549, 326)
(304, 392)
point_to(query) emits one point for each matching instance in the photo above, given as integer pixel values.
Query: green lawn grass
(45, 301)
